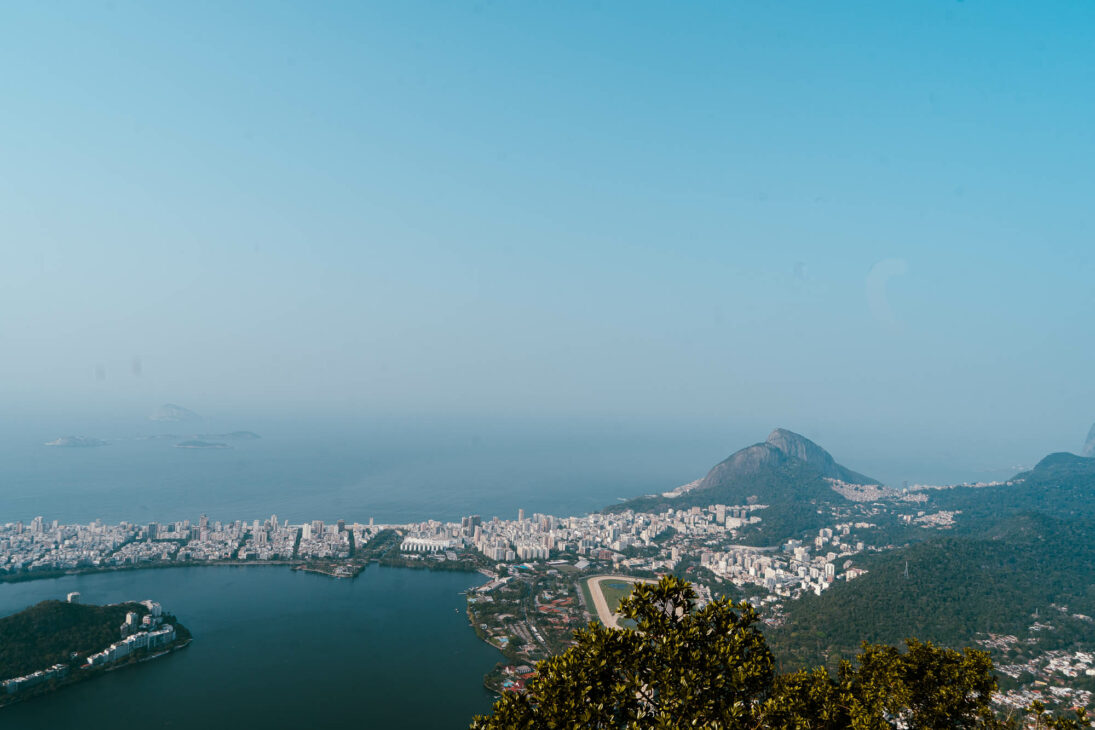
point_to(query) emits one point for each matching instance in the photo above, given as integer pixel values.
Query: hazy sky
(871, 222)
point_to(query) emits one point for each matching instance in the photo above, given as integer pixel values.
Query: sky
(867, 222)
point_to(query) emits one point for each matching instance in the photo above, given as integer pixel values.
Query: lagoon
(279, 649)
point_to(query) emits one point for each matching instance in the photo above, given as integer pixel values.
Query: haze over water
(393, 470)
(868, 224)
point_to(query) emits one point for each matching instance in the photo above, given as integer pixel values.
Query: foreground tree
(683, 667)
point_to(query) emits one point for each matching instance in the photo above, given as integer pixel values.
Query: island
(76, 442)
(231, 436)
(199, 444)
(171, 413)
(57, 643)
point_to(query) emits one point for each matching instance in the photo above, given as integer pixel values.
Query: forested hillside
(48, 633)
(957, 587)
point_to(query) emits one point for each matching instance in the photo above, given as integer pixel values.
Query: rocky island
(171, 413)
(76, 442)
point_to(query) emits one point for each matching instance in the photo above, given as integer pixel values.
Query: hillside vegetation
(49, 632)
(956, 588)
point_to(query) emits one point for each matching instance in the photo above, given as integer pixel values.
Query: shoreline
(33, 575)
(294, 566)
(83, 674)
(329, 571)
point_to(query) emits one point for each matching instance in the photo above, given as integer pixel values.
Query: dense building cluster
(651, 542)
(18, 684)
(41, 546)
(530, 605)
(138, 633)
(49, 546)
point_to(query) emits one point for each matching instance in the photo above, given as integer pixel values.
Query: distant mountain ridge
(1059, 464)
(1089, 445)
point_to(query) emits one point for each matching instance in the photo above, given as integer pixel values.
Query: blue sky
(870, 222)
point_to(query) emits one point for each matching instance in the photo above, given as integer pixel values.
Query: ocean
(394, 471)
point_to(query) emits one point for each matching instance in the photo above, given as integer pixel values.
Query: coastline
(330, 571)
(82, 674)
(32, 575)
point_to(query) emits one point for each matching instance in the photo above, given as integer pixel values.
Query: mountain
(788, 472)
(1089, 445)
(782, 447)
(171, 413)
(1060, 485)
(1059, 466)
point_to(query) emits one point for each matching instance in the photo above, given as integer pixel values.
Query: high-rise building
(520, 515)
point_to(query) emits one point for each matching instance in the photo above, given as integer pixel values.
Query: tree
(710, 667)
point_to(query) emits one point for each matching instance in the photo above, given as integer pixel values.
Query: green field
(615, 591)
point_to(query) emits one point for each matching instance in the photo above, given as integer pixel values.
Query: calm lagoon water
(278, 649)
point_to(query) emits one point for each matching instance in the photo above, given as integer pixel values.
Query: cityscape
(540, 570)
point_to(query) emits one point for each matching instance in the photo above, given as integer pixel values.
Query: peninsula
(57, 643)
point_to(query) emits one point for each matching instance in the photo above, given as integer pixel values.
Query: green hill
(1061, 485)
(957, 587)
(51, 631)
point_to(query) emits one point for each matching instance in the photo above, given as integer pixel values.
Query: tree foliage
(50, 631)
(684, 666)
(957, 587)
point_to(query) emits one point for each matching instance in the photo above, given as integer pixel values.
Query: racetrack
(606, 616)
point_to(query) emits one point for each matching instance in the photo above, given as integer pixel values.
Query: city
(538, 566)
